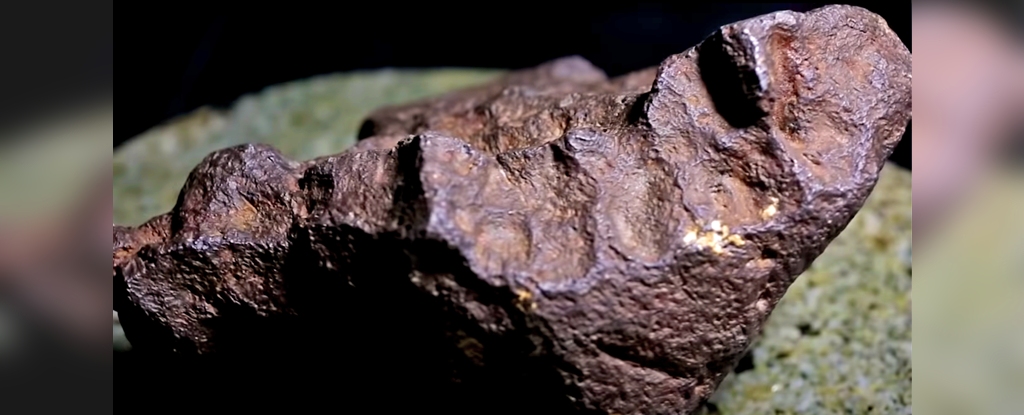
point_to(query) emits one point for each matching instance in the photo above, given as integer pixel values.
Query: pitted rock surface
(553, 241)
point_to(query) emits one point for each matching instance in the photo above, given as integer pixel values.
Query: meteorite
(555, 241)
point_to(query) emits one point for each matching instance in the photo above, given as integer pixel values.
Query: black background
(176, 59)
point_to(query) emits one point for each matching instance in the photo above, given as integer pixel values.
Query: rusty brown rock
(555, 240)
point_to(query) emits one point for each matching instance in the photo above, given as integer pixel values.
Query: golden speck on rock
(690, 237)
(524, 299)
(716, 225)
(523, 295)
(716, 239)
(772, 209)
(736, 240)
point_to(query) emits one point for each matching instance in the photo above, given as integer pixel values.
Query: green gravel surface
(839, 342)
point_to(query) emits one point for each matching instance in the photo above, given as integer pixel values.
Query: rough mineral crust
(554, 241)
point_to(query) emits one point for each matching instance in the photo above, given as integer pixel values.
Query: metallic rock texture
(552, 240)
